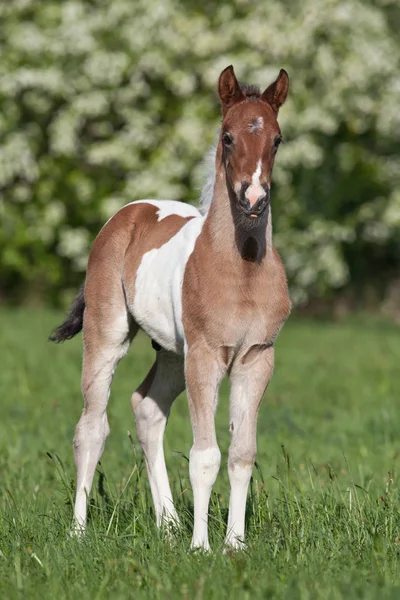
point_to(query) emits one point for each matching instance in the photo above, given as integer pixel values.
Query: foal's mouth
(257, 210)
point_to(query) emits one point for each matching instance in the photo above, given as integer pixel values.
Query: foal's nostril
(255, 194)
(253, 198)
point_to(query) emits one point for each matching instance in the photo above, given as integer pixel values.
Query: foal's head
(249, 139)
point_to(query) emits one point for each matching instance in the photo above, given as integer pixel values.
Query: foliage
(106, 102)
(323, 512)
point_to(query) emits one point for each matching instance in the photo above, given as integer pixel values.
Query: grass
(323, 512)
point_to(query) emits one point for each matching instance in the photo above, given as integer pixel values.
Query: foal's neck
(231, 234)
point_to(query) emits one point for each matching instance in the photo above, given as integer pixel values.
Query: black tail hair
(74, 321)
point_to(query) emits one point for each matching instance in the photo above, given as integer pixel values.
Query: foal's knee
(204, 465)
(241, 463)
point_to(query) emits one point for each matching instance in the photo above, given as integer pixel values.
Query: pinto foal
(211, 292)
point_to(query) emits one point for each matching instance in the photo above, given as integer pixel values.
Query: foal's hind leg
(151, 404)
(106, 340)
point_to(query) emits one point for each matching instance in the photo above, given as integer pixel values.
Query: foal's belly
(157, 302)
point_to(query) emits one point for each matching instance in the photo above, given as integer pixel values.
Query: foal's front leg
(249, 377)
(203, 376)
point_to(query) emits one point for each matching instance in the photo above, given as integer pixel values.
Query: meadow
(323, 510)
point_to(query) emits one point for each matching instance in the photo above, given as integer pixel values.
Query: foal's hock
(210, 290)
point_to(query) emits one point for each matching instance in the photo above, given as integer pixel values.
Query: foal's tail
(74, 321)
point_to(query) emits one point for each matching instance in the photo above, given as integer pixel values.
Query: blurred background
(103, 103)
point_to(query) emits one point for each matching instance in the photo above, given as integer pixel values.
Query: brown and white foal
(211, 292)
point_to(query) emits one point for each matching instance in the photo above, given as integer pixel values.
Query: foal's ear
(228, 89)
(276, 93)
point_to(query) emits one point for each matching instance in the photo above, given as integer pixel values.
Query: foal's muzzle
(258, 208)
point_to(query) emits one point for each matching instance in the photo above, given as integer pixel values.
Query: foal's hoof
(170, 528)
(77, 531)
(200, 548)
(234, 545)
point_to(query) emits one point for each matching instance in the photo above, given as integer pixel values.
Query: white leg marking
(151, 413)
(90, 437)
(101, 355)
(204, 466)
(248, 384)
(203, 376)
(239, 477)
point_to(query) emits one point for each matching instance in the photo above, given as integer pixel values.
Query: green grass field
(323, 511)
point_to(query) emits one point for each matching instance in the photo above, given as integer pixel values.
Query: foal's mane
(207, 190)
(252, 94)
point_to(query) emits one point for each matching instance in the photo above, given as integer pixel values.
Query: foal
(211, 292)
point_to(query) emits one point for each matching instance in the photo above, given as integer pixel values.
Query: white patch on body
(157, 305)
(254, 191)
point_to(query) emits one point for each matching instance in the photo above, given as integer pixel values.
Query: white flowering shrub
(106, 102)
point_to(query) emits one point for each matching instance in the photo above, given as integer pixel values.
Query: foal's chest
(236, 309)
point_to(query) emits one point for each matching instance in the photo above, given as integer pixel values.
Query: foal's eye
(226, 139)
(277, 141)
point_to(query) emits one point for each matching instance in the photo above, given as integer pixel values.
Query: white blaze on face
(255, 190)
